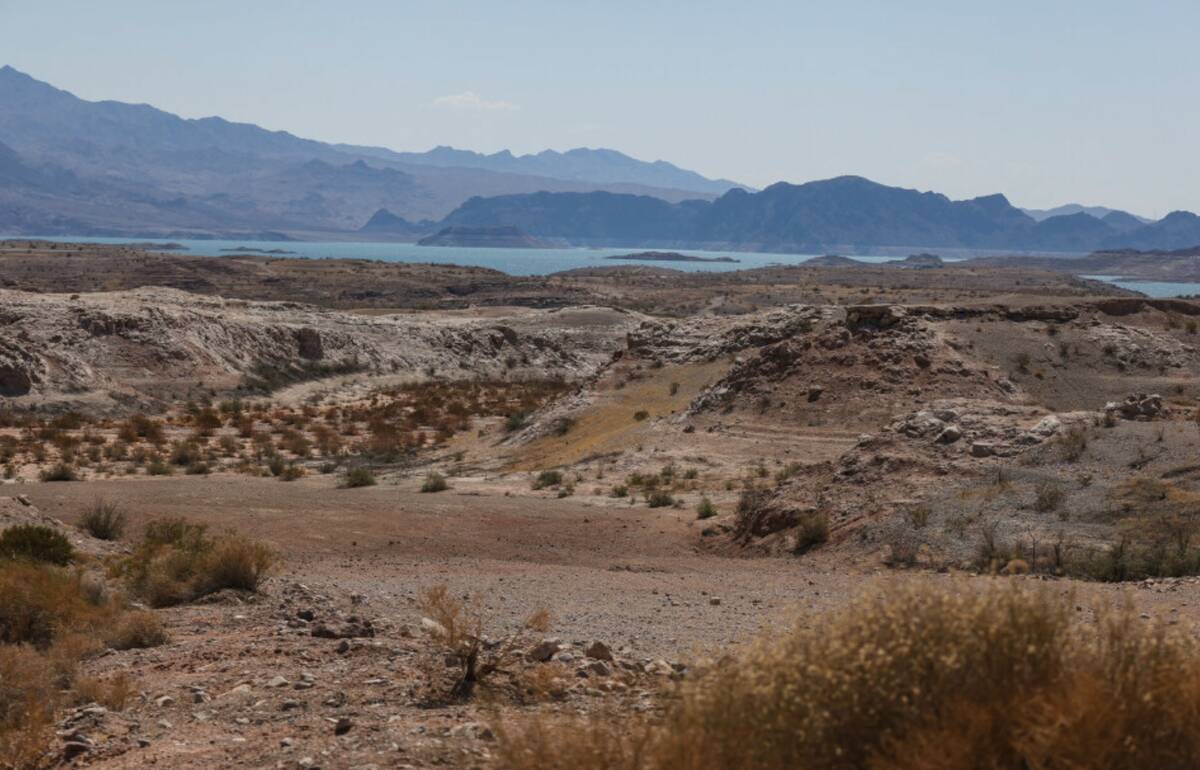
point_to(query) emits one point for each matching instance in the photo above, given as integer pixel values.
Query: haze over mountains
(73, 167)
(78, 167)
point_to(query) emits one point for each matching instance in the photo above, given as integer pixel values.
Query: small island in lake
(249, 250)
(670, 256)
(496, 237)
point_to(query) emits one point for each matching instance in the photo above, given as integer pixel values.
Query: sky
(1047, 102)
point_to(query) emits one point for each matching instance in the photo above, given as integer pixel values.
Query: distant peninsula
(671, 256)
(496, 237)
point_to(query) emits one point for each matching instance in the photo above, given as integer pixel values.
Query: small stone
(164, 701)
(240, 690)
(74, 745)
(343, 647)
(342, 726)
(599, 668)
(949, 435)
(659, 667)
(715, 601)
(278, 681)
(982, 449)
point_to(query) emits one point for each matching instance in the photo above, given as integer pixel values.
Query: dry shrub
(457, 626)
(917, 677)
(178, 562)
(137, 630)
(112, 693)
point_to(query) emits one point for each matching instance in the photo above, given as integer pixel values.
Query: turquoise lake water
(544, 261)
(1156, 289)
(511, 261)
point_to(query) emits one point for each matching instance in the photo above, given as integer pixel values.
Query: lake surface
(1156, 289)
(511, 261)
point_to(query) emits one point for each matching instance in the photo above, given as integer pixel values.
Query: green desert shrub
(547, 479)
(360, 476)
(434, 482)
(59, 472)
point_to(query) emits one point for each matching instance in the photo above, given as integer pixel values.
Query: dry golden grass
(608, 425)
(916, 678)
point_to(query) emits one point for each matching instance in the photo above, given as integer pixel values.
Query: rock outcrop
(129, 346)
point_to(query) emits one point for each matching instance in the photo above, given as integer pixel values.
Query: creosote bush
(360, 476)
(547, 479)
(811, 531)
(658, 498)
(915, 678)
(60, 472)
(34, 542)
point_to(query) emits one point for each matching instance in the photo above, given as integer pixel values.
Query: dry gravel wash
(248, 685)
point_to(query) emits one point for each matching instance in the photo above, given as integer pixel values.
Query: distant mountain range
(78, 167)
(74, 167)
(583, 165)
(844, 214)
(1099, 212)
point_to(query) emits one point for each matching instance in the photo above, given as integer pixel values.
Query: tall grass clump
(915, 678)
(103, 520)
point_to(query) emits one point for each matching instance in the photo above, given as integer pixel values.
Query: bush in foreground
(50, 619)
(916, 677)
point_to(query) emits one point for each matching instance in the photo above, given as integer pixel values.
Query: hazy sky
(1048, 102)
